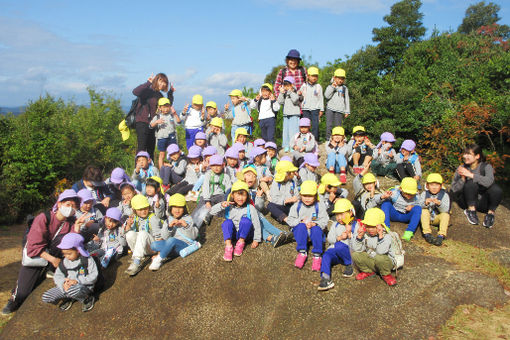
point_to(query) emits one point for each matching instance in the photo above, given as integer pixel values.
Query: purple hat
(118, 176)
(271, 145)
(85, 195)
(310, 159)
(142, 154)
(305, 122)
(239, 146)
(172, 148)
(256, 151)
(387, 137)
(259, 142)
(73, 240)
(194, 151)
(408, 145)
(209, 151)
(216, 160)
(67, 194)
(286, 158)
(200, 135)
(290, 79)
(232, 153)
(114, 213)
(294, 54)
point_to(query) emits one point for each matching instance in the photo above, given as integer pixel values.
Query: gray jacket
(181, 233)
(308, 213)
(114, 238)
(219, 141)
(126, 211)
(399, 158)
(434, 209)
(239, 114)
(400, 202)
(73, 273)
(213, 186)
(344, 149)
(179, 166)
(372, 245)
(364, 197)
(338, 99)
(236, 213)
(300, 140)
(291, 103)
(159, 212)
(485, 181)
(168, 127)
(334, 232)
(386, 156)
(153, 225)
(280, 192)
(191, 176)
(307, 175)
(313, 98)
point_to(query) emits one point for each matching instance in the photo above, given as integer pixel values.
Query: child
(330, 191)
(164, 123)
(89, 227)
(408, 161)
(216, 183)
(272, 156)
(142, 229)
(194, 118)
(308, 168)
(117, 177)
(240, 114)
(361, 150)
(308, 218)
(110, 242)
(241, 221)
(404, 206)
(216, 137)
(194, 171)
(241, 152)
(144, 169)
(183, 232)
(383, 163)
(291, 110)
(303, 142)
(267, 106)
(128, 191)
(367, 193)
(75, 276)
(212, 110)
(174, 170)
(313, 100)
(283, 191)
(156, 198)
(338, 106)
(200, 139)
(92, 180)
(339, 238)
(337, 151)
(259, 142)
(258, 159)
(372, 248)
(241, 137)
(232, 167)
(435, 209)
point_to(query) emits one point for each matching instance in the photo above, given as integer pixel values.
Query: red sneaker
(389, 279)
(343, 178)
(363, 275)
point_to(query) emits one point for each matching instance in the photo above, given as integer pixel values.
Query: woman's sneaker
(471, 216)
(66, 304)
(488, 221)
(227, 256)
(348, 271)
(325, 284)
(88, 304)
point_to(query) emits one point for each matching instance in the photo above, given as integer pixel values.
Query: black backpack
(84, 263)
(133, 111)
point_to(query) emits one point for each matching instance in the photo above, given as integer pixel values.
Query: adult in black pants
(149, 94)
(473, 187)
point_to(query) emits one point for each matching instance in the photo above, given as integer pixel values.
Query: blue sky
(206, 47)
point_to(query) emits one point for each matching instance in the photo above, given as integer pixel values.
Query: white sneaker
(191, 196)
(133, 268)
(156, 263)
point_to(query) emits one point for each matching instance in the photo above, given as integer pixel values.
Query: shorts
(163, 143)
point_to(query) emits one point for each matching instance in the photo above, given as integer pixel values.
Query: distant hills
(15, 110)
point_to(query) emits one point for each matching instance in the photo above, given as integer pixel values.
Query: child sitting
(194, 171)
(110, 241)
(142, 229)
(291, 102)
(404, 206)
(241, 221)
(194, 118)
(272, 156)
(174, 170)
(200, 139)
(303, 142)
(308, 218)
(216, 183)
(308, 168)
(128, 191)
(164, 123)
(330, 191)
(360, 150)
(232, 167)
(372, 247)
(75, 276)
(242, 159)
(144, 169)
(283, 191)
(435, 209)
(183, 232)
(258, 159)
(267, 106)
(259, 142)
(337, 151)
(93, 215)
(367, 193)
(241, 137)
(339, 237)
(408, 161)
(383, 163)
(156, 198)
(240, 114)
(215, 136)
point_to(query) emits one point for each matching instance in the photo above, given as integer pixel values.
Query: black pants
(483, 199)
(146, 138)
(404, 170)
(267, 129)
(169, 176)
(180, 188)
(279, 212)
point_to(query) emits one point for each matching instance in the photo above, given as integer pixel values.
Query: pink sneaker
(343, 178)
(228, 253)
(316, 264)
(238, 251)
(300, 260)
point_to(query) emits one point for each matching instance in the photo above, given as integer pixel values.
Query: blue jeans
(190, 136)
(268, 228)
(336, 160)
(412, 217)
(168, 246)
(245, 230)
(235, 127)
(290, 128)
(301, 234)
(333, 256)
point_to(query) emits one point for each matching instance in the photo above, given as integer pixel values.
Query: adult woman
(293, 69)
(149, 94)
(41, 243)
(473, 187)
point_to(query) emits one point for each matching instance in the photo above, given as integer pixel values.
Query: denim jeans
(290, 129)
(169, 246)
(268, 228)
(336, 160)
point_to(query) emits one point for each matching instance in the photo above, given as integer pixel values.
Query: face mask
(66, 211)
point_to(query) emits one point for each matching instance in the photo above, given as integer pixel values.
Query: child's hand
(272, 97)
(296, 148)
(428, 201)
(346, 115)
(254, 244)
(129, 222)
(309, 225)
(436, 201)
(409, 207)
(386, 195)
(106, 202)
(151, 78)
(380, 231)
(361, 231)
(95, 238)
(282, 89)
(226, 106)
(342, 236)
(300, 93)
(417, 178)
(332, 196)
(159, 121)
(225, 204)
(260, 192)
(257, 98)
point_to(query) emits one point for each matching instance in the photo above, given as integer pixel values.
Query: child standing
(303, 142)
(383, 163)
(408, 161)
(164, 123)
(144, 169)
(212, 110)
(338, 106)
(291, 101)
(267, 106)
(216, 137)
(283, 191)
(240, 114)
(194, 118)
(308, 218)
(313, 100)
(338, 152)
(360, 149)
(435, 209)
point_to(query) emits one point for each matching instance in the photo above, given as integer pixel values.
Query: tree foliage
(481, 14)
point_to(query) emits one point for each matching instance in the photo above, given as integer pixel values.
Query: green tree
(481, 14)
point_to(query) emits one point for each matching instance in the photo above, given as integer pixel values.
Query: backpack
(272, 102)
(245, 106)
(133, 112)
(396, 245)
(84, 263)
(315, 216)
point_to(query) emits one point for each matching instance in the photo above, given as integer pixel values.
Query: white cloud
(336, 6)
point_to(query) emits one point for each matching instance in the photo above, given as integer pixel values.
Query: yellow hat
(308, 188)
(240, 131)
(163, 101)
(236, 93)
(435, 178)
(282, 168)
(339, 72)
(313, 71)
(240, 174)
(409, 186)
(177, 200)
(197, 100)
(368, 178)
(217, 121)
(124, 130)
(240, 185)
(139, 202)
(157, 179)
(342, 205)
(211, 104)
(269, 86)
(328, 179)
(358, 128)
(374, 217)
(338, 130)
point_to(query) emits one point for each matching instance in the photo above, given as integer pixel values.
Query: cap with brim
(248, 168)
(387, 137)
(73, 240)
(68, 194)
(289, 79)
(232, 153)
(172, 148)
(209, 151)
(200, 135)
(142, 154)
(304, 122)
(216, 160)
(259, 142)
(85, 195)
(239, 147)
(271, 145)
(114, 213)
(194, 151)
(118, 176)
(408, 145)
(310, 159)
(256, 151)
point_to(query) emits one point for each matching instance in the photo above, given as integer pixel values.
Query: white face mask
(66, 211)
